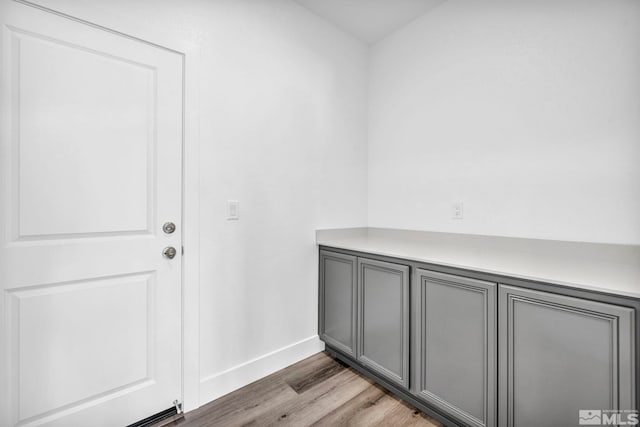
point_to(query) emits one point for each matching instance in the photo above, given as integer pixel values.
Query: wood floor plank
(403, 414)
(243, 405)
(355, 411)
(318, 391)
(303, 378)
(316, 402)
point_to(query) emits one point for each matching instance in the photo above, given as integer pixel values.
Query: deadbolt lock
(169, 227)
(169, 252)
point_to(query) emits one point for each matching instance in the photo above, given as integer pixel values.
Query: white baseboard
(217, 385)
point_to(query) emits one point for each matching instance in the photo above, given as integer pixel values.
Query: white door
(91, 146)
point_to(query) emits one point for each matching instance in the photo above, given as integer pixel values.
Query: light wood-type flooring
(318, 391)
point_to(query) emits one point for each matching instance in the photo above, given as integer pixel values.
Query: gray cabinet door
(338, 299)
(454, 352)
(383, 320)
(560, 355)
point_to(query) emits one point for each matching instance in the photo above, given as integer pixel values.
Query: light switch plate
(233, 210)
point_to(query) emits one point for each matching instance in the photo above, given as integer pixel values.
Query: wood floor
(318, 391)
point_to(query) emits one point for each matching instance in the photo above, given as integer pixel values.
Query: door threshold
(160, 419)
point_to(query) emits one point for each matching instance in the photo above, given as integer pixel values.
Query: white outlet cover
(457, 211)
(233, 210)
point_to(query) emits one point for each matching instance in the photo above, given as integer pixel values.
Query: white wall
(286, 137)
(526, 111)
(283, 130)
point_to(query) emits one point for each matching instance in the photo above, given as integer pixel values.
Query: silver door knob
(169, 252)
(169, 227)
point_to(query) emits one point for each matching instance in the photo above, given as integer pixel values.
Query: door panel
(559, 355)
(455, 352)
(384, 319)
(91, 151)
(53, 321)
(338, 297)
(107, 106)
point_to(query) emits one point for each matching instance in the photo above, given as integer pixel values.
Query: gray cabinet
(559, 355)
(338, 299)
(454, 352)
(475, 352)
(383, 319)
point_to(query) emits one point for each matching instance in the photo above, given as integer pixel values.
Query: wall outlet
(457, 210)
(233, 210)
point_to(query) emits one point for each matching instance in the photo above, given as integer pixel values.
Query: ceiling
(369, 20)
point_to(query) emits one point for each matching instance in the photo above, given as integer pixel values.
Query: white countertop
(608, 268)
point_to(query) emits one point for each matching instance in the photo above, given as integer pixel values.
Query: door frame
(190, 286)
